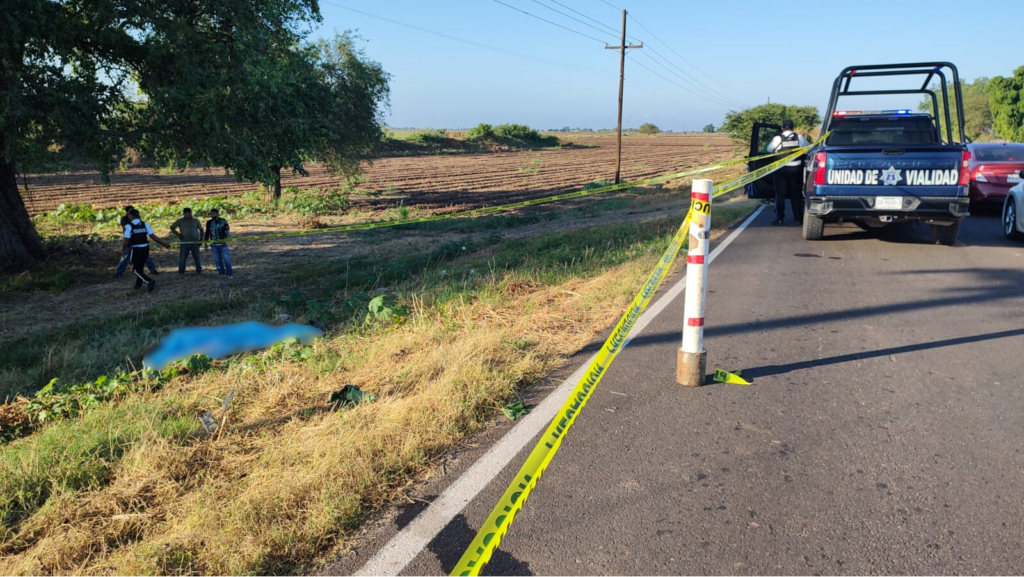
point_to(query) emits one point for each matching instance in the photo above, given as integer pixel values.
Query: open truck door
(760, 137)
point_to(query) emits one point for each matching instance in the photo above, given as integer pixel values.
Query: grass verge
(134, 487)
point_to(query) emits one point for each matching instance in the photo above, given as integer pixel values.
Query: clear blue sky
(744, 51)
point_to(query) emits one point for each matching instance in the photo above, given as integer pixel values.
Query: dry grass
(290, 478)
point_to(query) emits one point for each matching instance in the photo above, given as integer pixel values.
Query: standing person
(789, 178)
(136, 240)
(190, 232)
(123, 264)
(217, 229)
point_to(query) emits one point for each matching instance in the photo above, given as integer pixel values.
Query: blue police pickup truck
(886, 166)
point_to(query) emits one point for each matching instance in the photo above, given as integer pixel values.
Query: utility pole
(622, 75)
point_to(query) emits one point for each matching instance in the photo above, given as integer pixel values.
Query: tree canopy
(739, 124)
(648, 128)
(977, 110)
(1007, 102)
(231, 83)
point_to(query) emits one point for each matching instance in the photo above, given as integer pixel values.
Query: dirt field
(462, 180)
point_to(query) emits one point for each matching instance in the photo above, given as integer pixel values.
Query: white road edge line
(394, 556)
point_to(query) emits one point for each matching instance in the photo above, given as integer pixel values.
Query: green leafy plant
(515, 410)
(385, 311)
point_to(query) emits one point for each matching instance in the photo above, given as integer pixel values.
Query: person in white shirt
(788, 179)
(136, 239)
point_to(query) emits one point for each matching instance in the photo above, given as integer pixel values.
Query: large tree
(1007, 100)
(739, 124)
(63, 67)
(227, 82)
(295, 102)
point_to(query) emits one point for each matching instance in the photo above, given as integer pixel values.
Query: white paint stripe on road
(407, 543)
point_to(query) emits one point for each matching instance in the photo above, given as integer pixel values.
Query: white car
(1013, 210)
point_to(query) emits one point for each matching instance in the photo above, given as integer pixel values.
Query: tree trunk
(20, 245)
(275, 191)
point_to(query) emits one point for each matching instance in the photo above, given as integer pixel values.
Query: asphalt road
(884, 431)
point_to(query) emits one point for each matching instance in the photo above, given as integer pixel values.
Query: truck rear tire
(947, 235)
(814, 226)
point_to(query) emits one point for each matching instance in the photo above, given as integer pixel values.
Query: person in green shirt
(190, 232)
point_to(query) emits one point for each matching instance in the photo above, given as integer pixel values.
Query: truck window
(882, 131)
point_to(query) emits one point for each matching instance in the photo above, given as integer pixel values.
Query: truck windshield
(882, 131)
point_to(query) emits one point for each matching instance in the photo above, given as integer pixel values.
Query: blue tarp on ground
(217, 342)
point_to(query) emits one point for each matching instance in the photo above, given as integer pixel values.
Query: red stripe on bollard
(701, 196)
(695, 322)
(695, 258)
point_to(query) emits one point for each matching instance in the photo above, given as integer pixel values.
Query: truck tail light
(820, 159)
(965, 174)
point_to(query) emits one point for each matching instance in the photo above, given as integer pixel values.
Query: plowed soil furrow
(443, 180)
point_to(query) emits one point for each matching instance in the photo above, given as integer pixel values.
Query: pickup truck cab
(886, 166)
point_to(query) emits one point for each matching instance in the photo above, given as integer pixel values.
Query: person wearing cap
(136, 239)
(126, 257)
(789, 178)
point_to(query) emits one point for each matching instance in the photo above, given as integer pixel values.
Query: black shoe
(152, 285)
(154, 272)
(778, 222)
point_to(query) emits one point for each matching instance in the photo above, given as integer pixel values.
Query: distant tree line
(993, 108)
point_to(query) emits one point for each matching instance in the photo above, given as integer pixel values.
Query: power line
(550, 22)
(692, 89)
(567, 16)
(670, 81)
(614, 31)
(472, 43)
(683, 58)
(612, 5)
(712, 95)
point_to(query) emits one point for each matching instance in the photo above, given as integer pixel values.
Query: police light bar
(871, 112)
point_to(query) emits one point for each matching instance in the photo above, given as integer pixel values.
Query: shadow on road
(451, 543)
(771, 370)
(990, 285)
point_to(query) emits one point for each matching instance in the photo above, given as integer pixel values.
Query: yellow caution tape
(729, 378)
(490, 209)
(498, 522)
(500, 519)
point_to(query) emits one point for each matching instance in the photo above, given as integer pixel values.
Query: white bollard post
(692, 359)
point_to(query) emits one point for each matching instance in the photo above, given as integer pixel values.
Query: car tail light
(978, 176)
(965, 173)
(819, 168)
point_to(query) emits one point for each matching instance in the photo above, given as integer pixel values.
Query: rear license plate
(1013, 178)
(888, 202)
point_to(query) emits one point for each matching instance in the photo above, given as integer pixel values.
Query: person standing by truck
(136, 240)
(789, 178)
(189, 231)
(218, 231)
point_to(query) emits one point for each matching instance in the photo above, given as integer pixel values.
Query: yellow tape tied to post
(498, 522)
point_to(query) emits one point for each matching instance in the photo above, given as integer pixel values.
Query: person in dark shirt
(123, 264)
(218, 231)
